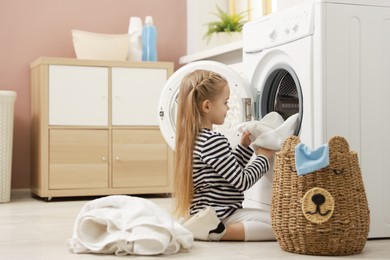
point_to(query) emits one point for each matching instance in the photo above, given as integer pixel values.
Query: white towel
(271, 131)
(125, 225)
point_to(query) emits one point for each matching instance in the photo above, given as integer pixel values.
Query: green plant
(226, 23)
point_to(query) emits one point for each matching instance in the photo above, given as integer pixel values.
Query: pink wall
(31, 29)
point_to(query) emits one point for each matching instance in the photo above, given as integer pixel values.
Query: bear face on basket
(323, 212)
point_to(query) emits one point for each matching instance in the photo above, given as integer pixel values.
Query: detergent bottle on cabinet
(149, 40)
(135, 34)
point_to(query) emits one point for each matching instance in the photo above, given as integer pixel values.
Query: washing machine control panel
(279, 28)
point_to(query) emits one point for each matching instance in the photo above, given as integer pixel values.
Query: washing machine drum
(238, 101)
(281, 93)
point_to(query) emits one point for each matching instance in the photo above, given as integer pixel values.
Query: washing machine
(326, 60)
(337, 52)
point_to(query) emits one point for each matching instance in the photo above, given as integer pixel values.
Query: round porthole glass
(282, 93)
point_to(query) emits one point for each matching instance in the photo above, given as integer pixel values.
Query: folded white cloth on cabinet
(125, 225)
(271, 131)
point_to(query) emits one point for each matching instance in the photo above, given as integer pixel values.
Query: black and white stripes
(219, 173)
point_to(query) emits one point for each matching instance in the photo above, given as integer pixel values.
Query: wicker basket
(343, 227)
(7, 102)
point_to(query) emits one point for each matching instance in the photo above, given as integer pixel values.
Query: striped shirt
(219, 173)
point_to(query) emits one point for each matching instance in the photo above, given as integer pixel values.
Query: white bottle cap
(148, 20)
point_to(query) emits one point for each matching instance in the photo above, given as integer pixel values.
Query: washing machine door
(240, 101)
(278, 88)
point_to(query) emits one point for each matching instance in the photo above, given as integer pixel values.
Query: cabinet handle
(104, 158)
(117, 158)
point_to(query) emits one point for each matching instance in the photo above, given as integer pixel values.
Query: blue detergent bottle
(149, 40)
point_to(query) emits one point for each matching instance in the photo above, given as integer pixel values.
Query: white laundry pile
(271, 131)
(125, 225)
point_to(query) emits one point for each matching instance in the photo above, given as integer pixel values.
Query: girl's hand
(245, 140)
(266, 152)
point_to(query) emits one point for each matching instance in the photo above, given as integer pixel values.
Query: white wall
(282, 4)
(199, 13)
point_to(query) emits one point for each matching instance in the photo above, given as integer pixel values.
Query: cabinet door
(78, 159)
(135, 93)
(140, 158)
(78, 95)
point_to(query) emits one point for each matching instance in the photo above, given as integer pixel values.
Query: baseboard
(20, 193)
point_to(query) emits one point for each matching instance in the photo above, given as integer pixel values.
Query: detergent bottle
(135, 34)
(149, 40)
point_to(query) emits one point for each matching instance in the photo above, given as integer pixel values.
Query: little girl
(210, 177)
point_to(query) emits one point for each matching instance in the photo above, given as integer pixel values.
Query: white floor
(33, 229)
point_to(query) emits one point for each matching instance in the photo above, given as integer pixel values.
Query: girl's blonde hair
(196, 87)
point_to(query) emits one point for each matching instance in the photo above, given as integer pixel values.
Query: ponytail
(195, 88)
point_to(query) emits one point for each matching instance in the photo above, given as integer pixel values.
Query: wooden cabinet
(78, 95)
(131, 91)
(94, 128)
(140, 159)
(78, 159)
